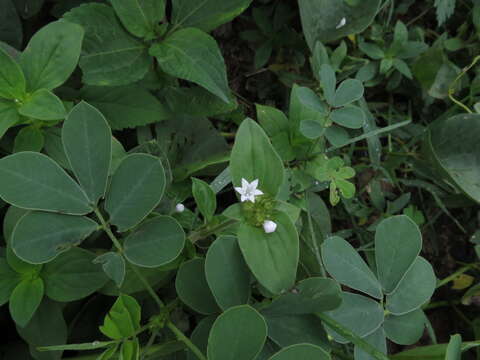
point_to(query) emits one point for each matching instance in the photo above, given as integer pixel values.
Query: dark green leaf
(43, 105)
(12, 81)
(25, 299)
(301, 351)
(9, 280)
(29, 138)
(140, 17)
(113, 264)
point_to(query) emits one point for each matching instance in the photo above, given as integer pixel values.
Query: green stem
(202, 234)
(181, 337)
(451, 88)
(455, 275)
(107, 229)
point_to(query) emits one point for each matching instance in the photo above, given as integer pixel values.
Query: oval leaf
(351, 117)
(12, 81)
(25, 300)
(349, 91)
(43, 105)
(301, 351)
(405, 329)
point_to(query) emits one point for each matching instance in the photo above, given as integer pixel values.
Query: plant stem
(455, 275)
(199, 235)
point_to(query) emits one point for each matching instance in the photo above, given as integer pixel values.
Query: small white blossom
(248, 191)
(341, 23)
(269, 226)
(180, 208)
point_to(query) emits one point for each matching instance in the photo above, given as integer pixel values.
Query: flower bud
(179, 208)
(269, 226)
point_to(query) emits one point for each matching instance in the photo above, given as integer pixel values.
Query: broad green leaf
(87, 141)
(301, 351)
(204, 197)
(125, 106)
(253, 157)
(123, 319)
(72, 276)
(11, 30)
(226, 273)
(328, 81)
(10, 220)
(272, 258)
(33, 181)
(51, 55)
(454, 348)
(346, 266)
(359, 314)
(200, 336)
(206, 14)
(351, 117)
(110, 56)
(155, 242)
(12, 81)
(113, 264)
(309, 296)
(312, 129)
(377, 340)
(140, 17)
(193, 55)
(349, 91)
(130, 350)
(405, 329)
(39, 237)
(238, 333)
(136, 189)
(25, 299)
(43, 105)
(272, 120)
(8, 116)
(321, 19)
(20, 266)
(9, 280)
(414, 290)
(398, 241)
(29, 138)
(192, 287)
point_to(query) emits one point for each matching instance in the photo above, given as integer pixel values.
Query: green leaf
(405, 329)
(377, 340)
(253, 157)
(51, 55)
(12, 216)
(12, 81)
(312, 129)
(8, 116)
(83, 346)
(414, 290)
(192, 287)
(140, 17)
(200, 336)
(9, 280)
(328, 81)
(204, 197)
(10, 27)
(226, 273)
(156, 242)
(351, 117)
(125, 106)
(372, 50)
(431, 352)
(72, 276)
(454, 348)
(193, 55)
(123, 319)
(113, 264)
(321, 18)
(39, 237)
(110, 56)
(206, 14)
(445, 9)
(43, 105)
(359, 314)
(301, 351)
(20, 266)
(87, 141)
(272, 258)
(136, 189)
(29, 138)
(398, 241)
(349, 91)
(25, 299)
(130, 350)
(311, 295)
(238, 333)
(33, 181)
(402, 66)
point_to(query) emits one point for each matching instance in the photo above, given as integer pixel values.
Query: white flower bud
(342, 23)
(179, 208)
(269, 226)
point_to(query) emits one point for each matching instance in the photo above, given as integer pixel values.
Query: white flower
(341, 23)
(179, 208)
(269, 226)
(248, 191)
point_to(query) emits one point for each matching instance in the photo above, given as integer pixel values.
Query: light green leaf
(204, 197)
(140, 17)
(405, 329)
(72, 276)
(454, 348)
(113, 264)
(51, 55)
(130, 350)
(349, 91)
(33, 181)
(9, 280)
(25, 299)
(87, 141)
(39, 237)
(414, 290)
(253, 157)
(110, 56)
(351, 117)
(12, 81)
(238, 333)
(43, 105)
(8, 116)
(123, 319)
(193, 55)
(206, 14)
(272, 258)
(192, 287)
(156, 242)
(398, 241)
(301, 351)
(328, 81)
(346, 266)
(29, 138)
(136, 189)
(226, 273)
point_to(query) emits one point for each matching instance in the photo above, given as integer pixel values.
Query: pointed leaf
(140, 17)
(43, 105)
(328, 81)
(204, 197)
(349, 91)
(25, 299)
(8, 116)
(123, 319)
(12, 81)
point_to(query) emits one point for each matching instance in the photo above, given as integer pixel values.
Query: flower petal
(254, 183)
(244, 183)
